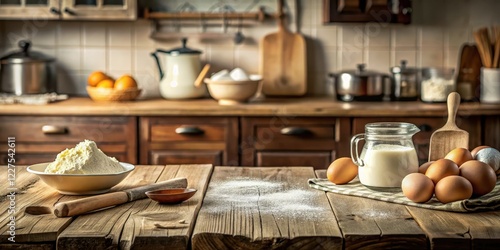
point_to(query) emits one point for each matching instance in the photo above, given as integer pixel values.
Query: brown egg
(342, 171)
(490, 156)
(480, 175)
(417, 187)
(440, 169)
(453, 188)
(423, 168)
(459, 155)
(476, 149)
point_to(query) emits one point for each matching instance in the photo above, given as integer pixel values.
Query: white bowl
(231, 92)
(78, 184)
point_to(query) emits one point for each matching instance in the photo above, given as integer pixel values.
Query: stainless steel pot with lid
(406, 82)
(360, 85)
(27, 72)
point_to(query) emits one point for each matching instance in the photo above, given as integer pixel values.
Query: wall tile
(94, 59)
(350, 59)
(327, 35)
(94, 34)
(222, 57)
(45, 34)
(452, 55)
(432, 57)
(456, 36)
(120, 59)
(69, 34)
(248, 59)
(352, 36)
(144, 62)
(409, 55)
(432, 36)
(15, 31)
(70, 57)
(378, 36)
(405, 36)
(378, 60)
(142, 32)
(120, 34)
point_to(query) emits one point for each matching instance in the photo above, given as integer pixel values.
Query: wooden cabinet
(40, 139)
(491, 131)
(189, 140)
(293, 141)
(378, 11)
(69, 9)
(427, 126)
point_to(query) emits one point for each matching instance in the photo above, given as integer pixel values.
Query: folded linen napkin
(487, 202)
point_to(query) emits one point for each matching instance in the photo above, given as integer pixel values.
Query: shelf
(256, 16)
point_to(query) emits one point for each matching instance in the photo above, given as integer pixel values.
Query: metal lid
(361, 71)
(25, 55)
(403, 69)
(182, 50)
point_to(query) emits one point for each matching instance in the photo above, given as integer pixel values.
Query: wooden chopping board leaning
(283, 64)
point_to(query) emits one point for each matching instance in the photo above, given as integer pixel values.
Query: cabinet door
(22, 9)
(99, 9)
(491, 131)
(189, 140)
(379, 11)
(427, 126)
(293, 141)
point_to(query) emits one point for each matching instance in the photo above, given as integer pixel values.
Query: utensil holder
(490, 85)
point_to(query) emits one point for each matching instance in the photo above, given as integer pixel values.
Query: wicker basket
(113, 95)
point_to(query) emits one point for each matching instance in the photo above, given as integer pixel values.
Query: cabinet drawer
(65, 129)
(189, 140)
(318, 160)
(290, 133)
(40, 139)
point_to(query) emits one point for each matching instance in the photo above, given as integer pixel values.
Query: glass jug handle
(354, 149)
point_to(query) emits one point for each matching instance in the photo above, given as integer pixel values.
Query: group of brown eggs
(460, 175)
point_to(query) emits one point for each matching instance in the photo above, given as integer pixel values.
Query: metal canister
(406, 81)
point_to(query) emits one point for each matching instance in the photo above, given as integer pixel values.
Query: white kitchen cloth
(35, 99)
(487, 202)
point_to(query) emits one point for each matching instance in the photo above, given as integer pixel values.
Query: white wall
(438, 29)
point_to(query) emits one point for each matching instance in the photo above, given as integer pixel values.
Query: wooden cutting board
(469, 68)
(283, 64)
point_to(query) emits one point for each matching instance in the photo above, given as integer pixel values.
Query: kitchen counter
(305, 106)
(244, 208)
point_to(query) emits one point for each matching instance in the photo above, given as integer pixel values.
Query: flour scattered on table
(265, 196)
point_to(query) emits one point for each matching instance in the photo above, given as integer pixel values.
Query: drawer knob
(189, 130)
(54, 130)
(296, 131)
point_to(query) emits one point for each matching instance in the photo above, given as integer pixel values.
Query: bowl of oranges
(102, 87)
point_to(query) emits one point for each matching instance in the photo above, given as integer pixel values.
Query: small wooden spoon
(449, 136)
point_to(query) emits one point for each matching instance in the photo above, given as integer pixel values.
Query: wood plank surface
(132, 225)
(265, 208)
(305, 106)
(29, 228)
(371, 224)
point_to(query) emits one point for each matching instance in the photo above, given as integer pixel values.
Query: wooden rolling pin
(91, 203)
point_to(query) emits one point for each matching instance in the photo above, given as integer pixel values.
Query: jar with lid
(387, 156)
(437, 84)
(405, 82)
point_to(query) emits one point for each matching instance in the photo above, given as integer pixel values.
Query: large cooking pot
(27, 72)
(361, 85)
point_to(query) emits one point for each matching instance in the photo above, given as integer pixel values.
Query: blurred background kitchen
(437, 31)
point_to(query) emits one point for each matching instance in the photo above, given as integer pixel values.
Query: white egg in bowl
(80, 184)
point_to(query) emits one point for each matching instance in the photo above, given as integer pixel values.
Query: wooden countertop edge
(306, 106)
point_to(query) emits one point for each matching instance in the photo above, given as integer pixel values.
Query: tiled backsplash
(438, 29)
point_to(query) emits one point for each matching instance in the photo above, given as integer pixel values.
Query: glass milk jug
(388, 155)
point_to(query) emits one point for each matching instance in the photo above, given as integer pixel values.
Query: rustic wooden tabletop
(239, 208)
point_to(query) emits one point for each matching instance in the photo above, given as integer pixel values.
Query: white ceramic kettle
(182, 66)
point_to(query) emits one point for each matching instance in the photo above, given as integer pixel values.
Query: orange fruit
(125, 82)
(106, 83)
(96, 77)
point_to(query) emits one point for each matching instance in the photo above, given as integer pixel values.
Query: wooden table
(243, 208)
(131, 225)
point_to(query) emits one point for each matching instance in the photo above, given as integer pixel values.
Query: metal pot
(406, 82)
(361, 85)
(27, 72)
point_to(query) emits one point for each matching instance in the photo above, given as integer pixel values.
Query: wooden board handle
(80, 206)
(453, 102)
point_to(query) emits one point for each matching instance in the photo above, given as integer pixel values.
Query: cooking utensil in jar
(27, 72)
(449, 136)
(80, 206)
(283, 64)
(360, 85)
